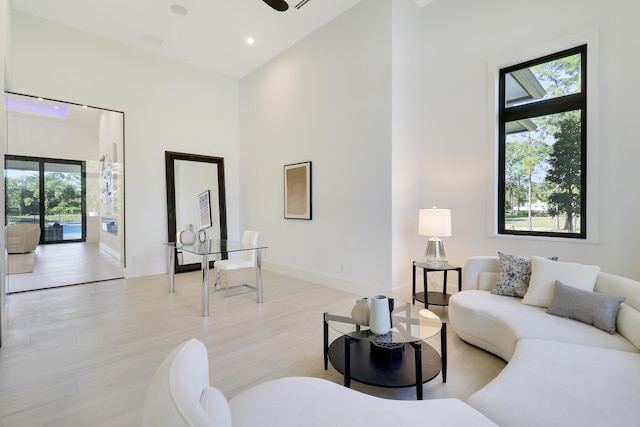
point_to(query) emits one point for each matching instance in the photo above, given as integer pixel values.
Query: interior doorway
(64, 172)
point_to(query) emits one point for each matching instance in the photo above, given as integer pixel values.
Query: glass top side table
(409, 324)
(356, 352)
(430, 297)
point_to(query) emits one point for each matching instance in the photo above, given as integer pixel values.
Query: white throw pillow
(544, 274)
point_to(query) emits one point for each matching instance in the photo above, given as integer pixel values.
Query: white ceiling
(211, 35)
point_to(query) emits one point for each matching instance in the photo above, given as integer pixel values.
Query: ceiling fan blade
(279, 5)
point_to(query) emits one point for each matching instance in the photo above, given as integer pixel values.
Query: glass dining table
(213, 249)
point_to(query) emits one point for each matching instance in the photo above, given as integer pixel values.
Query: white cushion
(313, 402)
(487, 280)
(544, 274)
(234, 264)
(480, 265)
(560, 384)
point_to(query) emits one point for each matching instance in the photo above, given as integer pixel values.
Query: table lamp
(435, 223)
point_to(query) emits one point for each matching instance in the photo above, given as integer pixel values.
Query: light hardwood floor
(84, 355)
(66, 264)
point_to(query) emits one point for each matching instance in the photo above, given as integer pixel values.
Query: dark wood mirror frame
(170, 158)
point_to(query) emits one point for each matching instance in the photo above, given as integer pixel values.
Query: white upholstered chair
(247, 259)
(179, 394)
(22, 238)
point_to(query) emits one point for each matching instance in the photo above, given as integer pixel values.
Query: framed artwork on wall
(204, 209)
(297, 191)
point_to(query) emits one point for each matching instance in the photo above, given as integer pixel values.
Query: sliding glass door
(48, 192)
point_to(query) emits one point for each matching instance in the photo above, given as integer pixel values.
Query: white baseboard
(357, 288)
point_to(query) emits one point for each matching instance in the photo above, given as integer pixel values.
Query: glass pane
(22, 192)
(548, 80)
(543, 174)
(63, 202)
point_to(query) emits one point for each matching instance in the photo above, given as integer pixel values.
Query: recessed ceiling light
(178, 9)
(250, 40)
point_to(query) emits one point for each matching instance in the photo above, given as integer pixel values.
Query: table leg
(205, 285)
(443, 349)
(326, 341)
(347, 361)
(426, 286)
(459, 279)
(413, 293)
(259, 276)
(417, 350)
(172, 268)
(444, 284)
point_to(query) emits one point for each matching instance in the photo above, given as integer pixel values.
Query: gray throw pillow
(592, 308)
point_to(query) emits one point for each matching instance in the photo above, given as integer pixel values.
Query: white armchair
(180, 395)
(22, 238)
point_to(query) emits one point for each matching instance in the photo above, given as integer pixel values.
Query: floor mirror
(189, 176)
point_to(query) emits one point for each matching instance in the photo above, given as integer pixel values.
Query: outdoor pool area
(71, 231)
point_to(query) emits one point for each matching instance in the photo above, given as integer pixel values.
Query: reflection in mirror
(188, 176)
(72, 155)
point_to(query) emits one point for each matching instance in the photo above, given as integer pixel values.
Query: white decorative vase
(187, 236)
(380, 320)
(361, 312)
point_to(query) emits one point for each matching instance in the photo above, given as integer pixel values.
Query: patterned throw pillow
(513, 279)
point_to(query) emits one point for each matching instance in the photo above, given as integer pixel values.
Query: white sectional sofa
(561, 372)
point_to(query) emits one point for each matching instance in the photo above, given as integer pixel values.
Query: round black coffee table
(396, 359)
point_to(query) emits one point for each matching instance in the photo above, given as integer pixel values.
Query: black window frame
(565, 103)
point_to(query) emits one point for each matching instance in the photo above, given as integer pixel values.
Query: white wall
(461, 37)
(41, 136)
(407, 116)
(168, 106)
(111, 202)
(326, 100)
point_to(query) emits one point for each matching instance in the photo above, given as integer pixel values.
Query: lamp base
(434, 253)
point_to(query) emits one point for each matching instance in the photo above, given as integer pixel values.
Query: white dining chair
(247, 259)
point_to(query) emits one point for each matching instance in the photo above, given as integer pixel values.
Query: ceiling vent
(153, 40)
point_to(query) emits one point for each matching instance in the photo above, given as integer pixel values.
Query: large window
(542, 146)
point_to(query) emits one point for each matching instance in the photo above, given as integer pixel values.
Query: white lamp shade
(434, 222)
